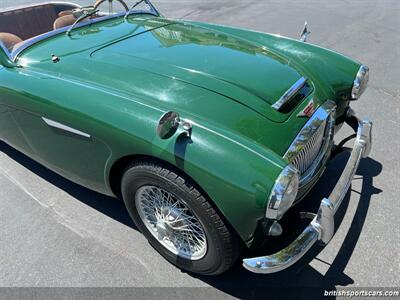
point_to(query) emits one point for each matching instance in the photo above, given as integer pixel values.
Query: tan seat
(63, 21)
(9, 40)
(64, 13)
(21, 24)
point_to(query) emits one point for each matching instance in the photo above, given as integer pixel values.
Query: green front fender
(235, 175)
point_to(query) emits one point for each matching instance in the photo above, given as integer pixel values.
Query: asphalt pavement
(56, 233)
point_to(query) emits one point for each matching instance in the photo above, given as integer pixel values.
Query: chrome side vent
(290, 94)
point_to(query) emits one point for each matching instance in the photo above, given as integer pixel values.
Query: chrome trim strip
(322, 226)
(58, 125)
(287, 96)
(326, 113)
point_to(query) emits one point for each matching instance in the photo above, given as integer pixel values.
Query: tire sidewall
(133, 179)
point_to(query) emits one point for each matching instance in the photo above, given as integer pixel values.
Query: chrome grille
(307, 155)
(313, 143)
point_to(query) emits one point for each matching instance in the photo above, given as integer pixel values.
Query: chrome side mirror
(169, 124)
(305, 33)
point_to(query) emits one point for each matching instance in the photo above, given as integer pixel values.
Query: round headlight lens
(360, 82)
(283, 193)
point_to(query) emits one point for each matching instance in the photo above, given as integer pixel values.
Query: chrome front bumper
(322, 226)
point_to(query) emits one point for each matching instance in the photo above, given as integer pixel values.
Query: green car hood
(232, 67)
(242, 71)
(172, 66)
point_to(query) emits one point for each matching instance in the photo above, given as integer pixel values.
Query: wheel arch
(234, 173)
(119, 166)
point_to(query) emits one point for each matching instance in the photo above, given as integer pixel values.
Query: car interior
(21, 24)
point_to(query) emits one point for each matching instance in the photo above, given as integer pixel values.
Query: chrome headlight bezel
(360, 82)
(283, 193)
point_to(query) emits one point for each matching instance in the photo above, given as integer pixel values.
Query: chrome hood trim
(290, 93)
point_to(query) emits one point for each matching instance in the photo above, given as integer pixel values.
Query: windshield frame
(14, 55)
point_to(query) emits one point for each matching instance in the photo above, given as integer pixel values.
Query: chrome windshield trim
(326, 113)
(58, 125)
(5, 50)
(44, 36)
(6, 62)
(288, 95)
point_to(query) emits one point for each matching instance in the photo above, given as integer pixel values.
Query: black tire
(223, 244)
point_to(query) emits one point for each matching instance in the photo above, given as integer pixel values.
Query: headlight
(360, 82)
(283, 193)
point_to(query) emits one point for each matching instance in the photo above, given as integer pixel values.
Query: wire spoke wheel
(171, 222)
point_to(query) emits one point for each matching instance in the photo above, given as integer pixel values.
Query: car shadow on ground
(299, 280)
(302, 280)
(110, 206)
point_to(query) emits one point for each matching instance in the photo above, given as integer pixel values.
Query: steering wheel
(110, 4)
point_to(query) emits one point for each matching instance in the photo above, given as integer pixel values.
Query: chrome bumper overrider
(322, 226)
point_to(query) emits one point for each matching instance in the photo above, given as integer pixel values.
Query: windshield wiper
(133, 6)
(85, 14)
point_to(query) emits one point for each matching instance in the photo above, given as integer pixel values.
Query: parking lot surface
(56, 233)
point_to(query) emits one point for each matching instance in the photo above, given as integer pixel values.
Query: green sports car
(208, 133)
